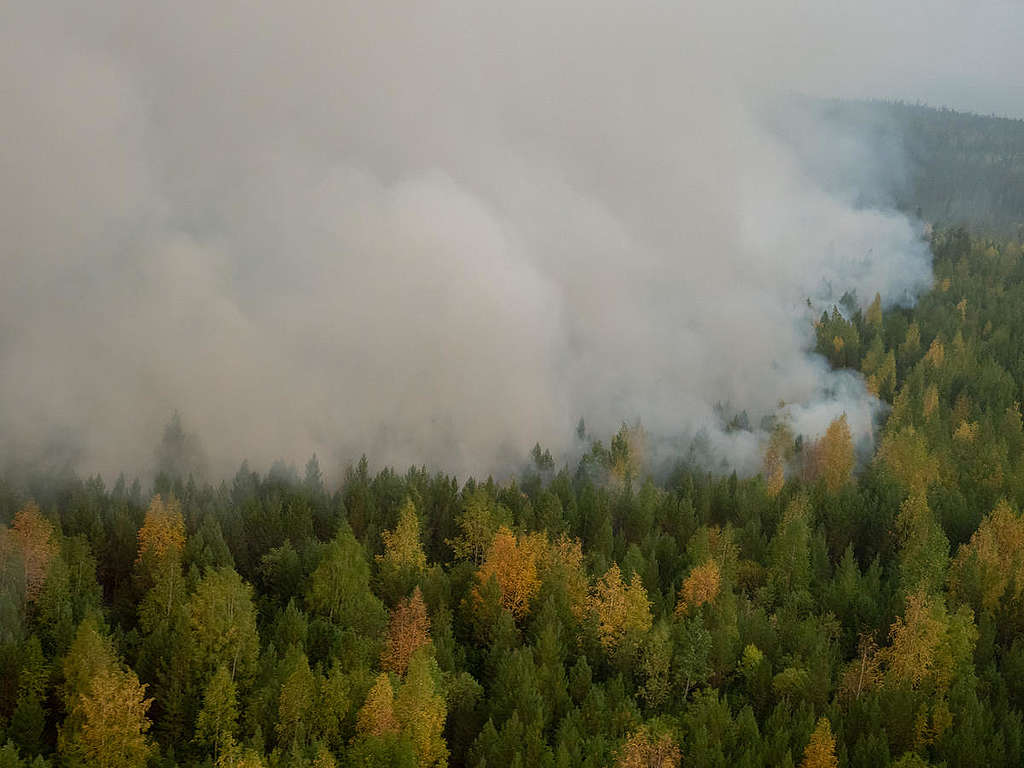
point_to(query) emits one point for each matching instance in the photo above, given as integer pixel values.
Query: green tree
(222, 625)
(218, 719)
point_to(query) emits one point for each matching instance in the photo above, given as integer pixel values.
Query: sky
(439, 232)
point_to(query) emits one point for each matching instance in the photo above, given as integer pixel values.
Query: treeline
(818, 614)
(960, 168)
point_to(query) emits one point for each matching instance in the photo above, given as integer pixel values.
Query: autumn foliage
(37, 542)
(645, 749)
(821, 750)
(162, 536)
(700, 587)
(776, 455)
(563, 560)
(992, 563)
(928, 644)
(114, 726)
(514, 562)
(831, 459)
(402, 547)
(409, 630)
(905, 455)
(621, 608)
(377, 715)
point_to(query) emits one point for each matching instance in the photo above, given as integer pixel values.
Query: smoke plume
(434, 232)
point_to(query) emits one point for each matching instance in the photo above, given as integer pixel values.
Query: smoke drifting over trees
(434, 232)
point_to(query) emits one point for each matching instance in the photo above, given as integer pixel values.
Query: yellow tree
(820, 752)
(324, 758)
(882, 381)
(930, 402)
(645, 749)
(992, 562)
(162, 536)
(403, 550)
(928, 645)
(514, 563)
(864, 672)
(911, 346)
(420, 711)
(563, 560)
(408, 631)
(91, 652)
(113, 721)
(37, 542)
(776, 455)
(936, 354)
(832, 458)
(621, 609)
(218, 719)
(236, 756)
(403, 561)
(718, 544)
(873, 315)
(904, 454)
(158, 565)
(700, 587)
(377, 715)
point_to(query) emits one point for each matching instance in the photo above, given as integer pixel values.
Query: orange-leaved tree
(408, 631)
(514, 563)
(700, 587)
(37, 542)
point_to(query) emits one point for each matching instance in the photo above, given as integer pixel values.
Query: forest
(954, 167)
(834, 609)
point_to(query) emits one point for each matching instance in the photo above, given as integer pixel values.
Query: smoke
(432, 232)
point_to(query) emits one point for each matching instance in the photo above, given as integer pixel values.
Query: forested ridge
(820, 613)
(955, 167)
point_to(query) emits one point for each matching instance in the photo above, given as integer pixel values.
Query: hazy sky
(440, 231)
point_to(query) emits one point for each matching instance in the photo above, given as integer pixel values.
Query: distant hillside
(958, 168)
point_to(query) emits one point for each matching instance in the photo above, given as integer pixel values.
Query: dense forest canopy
(950, 167)
(825, 611)
(416, 243)
(787, 530)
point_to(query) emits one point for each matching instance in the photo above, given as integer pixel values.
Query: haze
(438, 232)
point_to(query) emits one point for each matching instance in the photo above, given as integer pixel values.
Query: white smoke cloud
(434, 232)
